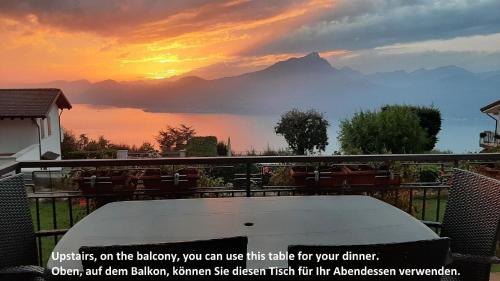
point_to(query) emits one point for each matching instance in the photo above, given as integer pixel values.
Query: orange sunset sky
(140, 40)
(149, 40)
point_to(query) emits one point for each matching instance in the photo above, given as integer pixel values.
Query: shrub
(222, 148)
(429, 173)
(202, 146)
(393, 130)
(76, 155)
(429, 120)
(281, 177)
(205, 180)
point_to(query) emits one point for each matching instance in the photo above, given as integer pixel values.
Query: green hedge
(98, 154)
(202, 147)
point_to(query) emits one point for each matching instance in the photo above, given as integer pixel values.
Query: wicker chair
(471, 221)
(17, 238)
(418, 255)
(232, 245)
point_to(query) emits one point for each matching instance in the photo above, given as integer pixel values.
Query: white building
(30, 124)
(489, 139)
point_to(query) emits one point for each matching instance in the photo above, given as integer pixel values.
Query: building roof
(30, 103)
(493, 108)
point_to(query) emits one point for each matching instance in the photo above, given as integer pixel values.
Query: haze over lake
(247, 107)
(134, 126)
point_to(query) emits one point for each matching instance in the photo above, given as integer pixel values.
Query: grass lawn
(62, 219)
(430, 208)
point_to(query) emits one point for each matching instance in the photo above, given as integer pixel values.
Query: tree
(121, 146)
(174, 138)
(357, 136)
(304, 131)
(99, 144)
(69, 144)
(146, 147)
(102, 142)
(83, 141)
(429, 119)
(393, 130)
(222, 148)
(202, 146)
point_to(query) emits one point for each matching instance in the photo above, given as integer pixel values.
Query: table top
(278, 222)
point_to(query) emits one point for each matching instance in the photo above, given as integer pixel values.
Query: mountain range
(304, 82)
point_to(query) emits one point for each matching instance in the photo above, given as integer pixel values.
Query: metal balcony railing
(421, 188)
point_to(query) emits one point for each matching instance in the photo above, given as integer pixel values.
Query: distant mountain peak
(350, 71)
(313, 55)
(311, 63)
(190, 79)
(108, 82)
(445, 68)
(441, 72)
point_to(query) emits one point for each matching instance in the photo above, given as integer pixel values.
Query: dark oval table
(270, 223)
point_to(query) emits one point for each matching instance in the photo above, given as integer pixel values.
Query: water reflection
(134, 126)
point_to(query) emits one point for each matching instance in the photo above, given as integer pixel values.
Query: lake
(134, 126)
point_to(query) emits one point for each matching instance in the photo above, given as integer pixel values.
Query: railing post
(248, 166)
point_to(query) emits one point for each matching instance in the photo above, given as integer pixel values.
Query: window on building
(42, 128)
(49, 126)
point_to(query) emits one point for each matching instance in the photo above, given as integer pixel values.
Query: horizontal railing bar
(263, 189)
(262, 159)
(51, 232)
(482, 161)
(8, 167)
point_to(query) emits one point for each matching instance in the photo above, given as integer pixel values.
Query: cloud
(371, 61)
(103, 17)
(362, 24)
(478, 43)
(141, 19)
(476, 53)
(236, 65)
(233, 66)
(127, 39)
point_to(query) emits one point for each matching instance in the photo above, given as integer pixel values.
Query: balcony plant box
(121, 181)
(105, 182)
(157, 184)
(299, 175)
(329, 177)
(188, 177)
(338, 176)
(150, 179)
(333, 176)
(366, 175)
(94, 182)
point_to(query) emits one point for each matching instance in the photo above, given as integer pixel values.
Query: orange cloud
(67, 42)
